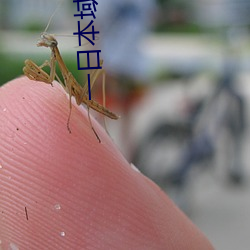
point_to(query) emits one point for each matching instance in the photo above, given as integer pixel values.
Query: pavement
(222, 210)
(222, 214)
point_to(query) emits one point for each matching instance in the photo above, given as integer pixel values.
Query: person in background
(224, 110)
(123, 25)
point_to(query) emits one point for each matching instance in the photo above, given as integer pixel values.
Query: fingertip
(44, 166)
(62, 190)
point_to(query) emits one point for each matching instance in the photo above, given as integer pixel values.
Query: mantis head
(47, 40)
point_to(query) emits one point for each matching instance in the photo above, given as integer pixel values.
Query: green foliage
(10, 68)
(178, 28)
(34, 26)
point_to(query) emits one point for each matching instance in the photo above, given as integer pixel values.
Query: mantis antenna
(59, 2)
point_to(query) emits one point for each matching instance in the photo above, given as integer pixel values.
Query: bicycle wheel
(160, 150)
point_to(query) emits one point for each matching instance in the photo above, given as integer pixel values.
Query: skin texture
(78, 193)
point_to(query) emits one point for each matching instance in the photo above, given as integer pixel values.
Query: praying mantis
(71, 86)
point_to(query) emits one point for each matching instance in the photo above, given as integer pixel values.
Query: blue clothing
(123, 24)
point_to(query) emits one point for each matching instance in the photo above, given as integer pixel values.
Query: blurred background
(178, 74)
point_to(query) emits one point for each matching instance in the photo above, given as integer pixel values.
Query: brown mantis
(71, 86)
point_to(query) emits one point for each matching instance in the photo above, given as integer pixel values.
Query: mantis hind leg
(68, 121)
(70, 109)
(104, 100)
(72, 91)
(92, 127)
